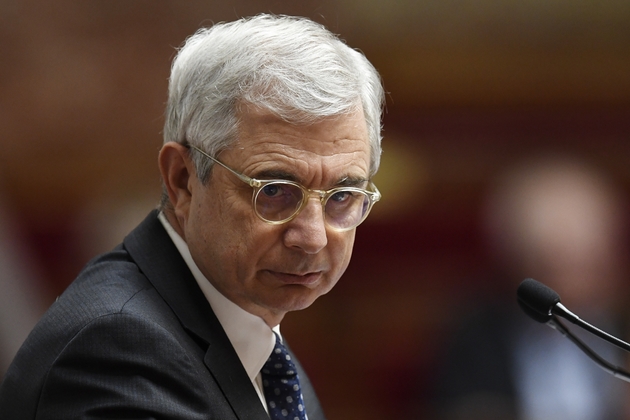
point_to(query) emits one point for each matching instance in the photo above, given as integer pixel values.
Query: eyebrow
(345, 181)
(276, 174)
(352, 181)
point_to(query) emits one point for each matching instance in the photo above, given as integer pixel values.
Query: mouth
(299, 279)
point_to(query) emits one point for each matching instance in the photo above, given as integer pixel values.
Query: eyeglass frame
(324, 195)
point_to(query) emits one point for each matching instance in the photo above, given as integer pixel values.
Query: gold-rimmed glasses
(278, 201)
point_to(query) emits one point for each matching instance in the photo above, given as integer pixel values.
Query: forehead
(334, 147)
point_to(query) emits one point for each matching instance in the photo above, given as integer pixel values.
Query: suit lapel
(158, 258)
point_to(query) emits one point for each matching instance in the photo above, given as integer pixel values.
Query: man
(272, 136)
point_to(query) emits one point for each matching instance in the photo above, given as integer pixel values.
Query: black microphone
(537, 300)
(543, 305)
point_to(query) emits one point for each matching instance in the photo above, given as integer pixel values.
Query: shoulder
(110, 289)
(105, 286)
(117, 364)
(110, 319)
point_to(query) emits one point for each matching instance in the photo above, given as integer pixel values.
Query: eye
(341, 196)
(272, 190)
(280, 190)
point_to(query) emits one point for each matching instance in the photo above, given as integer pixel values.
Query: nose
(307, 231)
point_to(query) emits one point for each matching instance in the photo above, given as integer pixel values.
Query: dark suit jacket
(133, 337)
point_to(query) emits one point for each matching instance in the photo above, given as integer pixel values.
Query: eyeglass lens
(279, 201)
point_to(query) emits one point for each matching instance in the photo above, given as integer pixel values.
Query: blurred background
(493, 106)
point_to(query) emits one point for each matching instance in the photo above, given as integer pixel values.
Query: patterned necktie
(282, 386)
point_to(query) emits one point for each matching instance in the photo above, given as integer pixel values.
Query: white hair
(290, 66)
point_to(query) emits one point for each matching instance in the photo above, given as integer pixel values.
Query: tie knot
(279, 363)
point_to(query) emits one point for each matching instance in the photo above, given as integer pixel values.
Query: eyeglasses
(278, 201)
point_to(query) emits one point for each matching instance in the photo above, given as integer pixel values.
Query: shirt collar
(250, 336)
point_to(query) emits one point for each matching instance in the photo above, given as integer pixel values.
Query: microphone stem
(560, 310)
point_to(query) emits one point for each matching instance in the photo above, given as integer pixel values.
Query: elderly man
(271, 139)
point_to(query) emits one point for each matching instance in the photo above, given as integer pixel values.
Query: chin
(296, 298)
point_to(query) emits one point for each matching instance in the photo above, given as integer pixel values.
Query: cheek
(242, 242)
(208, 232)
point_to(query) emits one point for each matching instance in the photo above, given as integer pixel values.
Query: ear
(177, 172)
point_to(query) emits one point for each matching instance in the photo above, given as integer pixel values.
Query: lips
(301, 279)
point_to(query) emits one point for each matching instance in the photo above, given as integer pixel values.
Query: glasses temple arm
(244, 178)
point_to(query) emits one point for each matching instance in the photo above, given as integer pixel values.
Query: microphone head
(536, 299)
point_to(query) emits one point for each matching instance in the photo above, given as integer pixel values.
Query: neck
(174, 222)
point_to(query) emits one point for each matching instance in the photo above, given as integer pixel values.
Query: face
(267, 269)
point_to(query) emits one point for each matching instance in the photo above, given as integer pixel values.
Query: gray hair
(290, 66)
